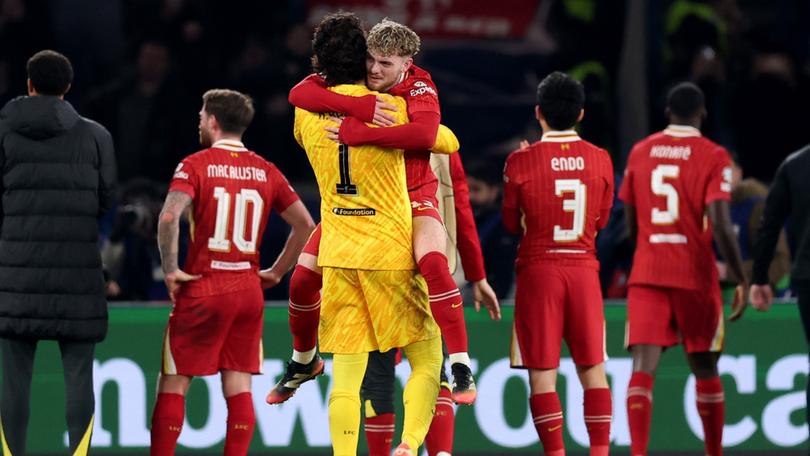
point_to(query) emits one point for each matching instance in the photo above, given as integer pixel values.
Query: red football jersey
(420, 92)
(560, 190)
(670, 179)
(232, 191)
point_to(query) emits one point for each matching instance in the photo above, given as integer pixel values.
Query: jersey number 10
(247, 196)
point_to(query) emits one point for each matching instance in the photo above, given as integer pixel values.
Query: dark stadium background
(141, 67)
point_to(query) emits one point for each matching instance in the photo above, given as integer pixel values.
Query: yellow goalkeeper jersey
(365, 211)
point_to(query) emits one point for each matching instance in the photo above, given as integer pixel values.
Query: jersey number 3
(245, 244)
(575, 205)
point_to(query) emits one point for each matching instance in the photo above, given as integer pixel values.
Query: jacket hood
(39, 117)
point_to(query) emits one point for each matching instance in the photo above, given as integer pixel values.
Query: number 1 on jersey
(219, 242)
(345, 186)
(575, 205)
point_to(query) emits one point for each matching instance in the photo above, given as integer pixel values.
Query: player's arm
(106, 171)
(630, 221)
(510, 212)
(607, 196)
(777, 208)
(469, 246)
(780, 265)
(723, 230)
(312, 95)
(169, 240)
(419, 134)
(301, 225)
(446, 143)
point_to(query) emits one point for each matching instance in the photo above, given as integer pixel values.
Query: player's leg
(650, 328)
(183, 357)
(421, 390)
(240, 357)
(18, 368)
(241, 416)
(547, 410)
(77, 363)
(167, 417)
(429, 243)
(700, 319)
(439, 439)
(377, 393)
(344, 402)
(536, 341)
(585, 334)
(304, 313)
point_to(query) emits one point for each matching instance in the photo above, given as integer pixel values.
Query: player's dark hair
(233, 110)
(685, 100)
(50, 72)
(561, 99)
(339, 47)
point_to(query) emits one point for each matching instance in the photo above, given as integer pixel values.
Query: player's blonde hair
(392, 38)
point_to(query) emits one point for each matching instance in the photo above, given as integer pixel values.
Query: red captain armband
(312, 95)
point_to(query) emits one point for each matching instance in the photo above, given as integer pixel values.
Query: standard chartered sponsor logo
(308, 411)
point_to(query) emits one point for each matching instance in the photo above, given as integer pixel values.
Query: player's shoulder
(200, 156)
(419, 82)
(516, 159)
(800, 156)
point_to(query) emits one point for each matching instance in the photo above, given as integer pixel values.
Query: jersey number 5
(246, 244)
(345, 186)
(665, 189)
(575, 205)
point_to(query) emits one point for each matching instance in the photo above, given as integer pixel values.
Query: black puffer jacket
(58, 170)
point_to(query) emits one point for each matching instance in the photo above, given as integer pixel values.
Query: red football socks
(445, 301)
(639, 412)
(379, 434)
(167, 422)
(241, 421)
(711, 407)
(548, 420)
(305, 307)
(598, 413)
(440, 435)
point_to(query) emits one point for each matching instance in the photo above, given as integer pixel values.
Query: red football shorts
(313, 245)
(667, 316)
(208, 334)
(553, 303)
(424, 203)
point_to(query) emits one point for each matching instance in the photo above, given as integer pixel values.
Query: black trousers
(803, 291)
(18, 366)
(378, 384)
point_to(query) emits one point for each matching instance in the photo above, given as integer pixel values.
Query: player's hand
(761, 297)
(175, 279)
(334, 131)
(483, 293)
(269, 277)
(381, 117)
(739, 303)
(524, 144)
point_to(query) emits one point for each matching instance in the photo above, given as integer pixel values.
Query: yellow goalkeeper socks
(421, 390)
(344, 402)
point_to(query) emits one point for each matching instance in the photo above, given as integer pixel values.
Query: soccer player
(673, 179)
(558, 192)
(373, 299)
(216, 323)
(378, 386)
(390, 69)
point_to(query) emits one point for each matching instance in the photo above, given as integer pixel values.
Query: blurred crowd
(142, 66)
